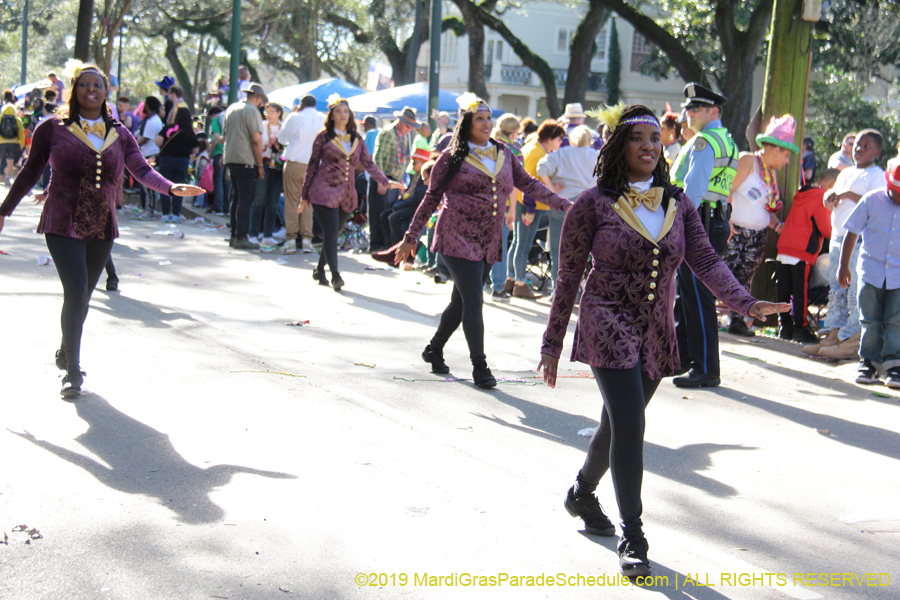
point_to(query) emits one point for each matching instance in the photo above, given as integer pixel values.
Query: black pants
(792, 285)
(79, 264)
(378, 203)
(697, 328)
(618, 443)
(466, 303)
(399, 221)
(111, 277)
(332, 221)
(243, 190)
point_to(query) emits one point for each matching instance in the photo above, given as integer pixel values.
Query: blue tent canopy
(319, 89)
(386, 102)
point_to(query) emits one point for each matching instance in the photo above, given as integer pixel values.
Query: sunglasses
(695, 107)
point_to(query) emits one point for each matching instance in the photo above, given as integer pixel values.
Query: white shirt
(488, 163)
(344, 143)
(151, 130)
(299, 132)
(856, 180)
(748, 202)
(652, 219)
(94, 139)
(266, 129)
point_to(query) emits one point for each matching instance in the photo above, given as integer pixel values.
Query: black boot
(434, 355)
(336, 282)
(72, 382)
(633, 556)
(319, 276)
(587, 507)
(482, 375)
(738, 326)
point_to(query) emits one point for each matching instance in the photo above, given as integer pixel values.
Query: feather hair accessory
(73, 68)
(609, 115)
(335, 99)
(471, 103)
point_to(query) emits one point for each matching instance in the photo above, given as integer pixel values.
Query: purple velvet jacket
(331, 174)
(85, 184)
(626, 313)
(470, 222)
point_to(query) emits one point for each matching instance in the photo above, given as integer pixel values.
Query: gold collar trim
(111, 136)
(475, 162)
(337, 142)
(625, 211)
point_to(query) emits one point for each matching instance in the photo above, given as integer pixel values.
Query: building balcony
(522, 76)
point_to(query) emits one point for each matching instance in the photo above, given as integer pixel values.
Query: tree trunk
(82, 49)
(181, 75)
(197, 86)
(475, 32)
(582, 52)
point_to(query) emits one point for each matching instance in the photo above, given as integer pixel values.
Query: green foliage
(836, 107)
(859, 36)
(614, 70)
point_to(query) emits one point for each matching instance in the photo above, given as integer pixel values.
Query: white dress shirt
(299, 132)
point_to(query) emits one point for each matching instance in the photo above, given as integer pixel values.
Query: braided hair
(611, 169)
(458, 148)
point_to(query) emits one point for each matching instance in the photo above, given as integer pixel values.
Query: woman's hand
(558, 188)
(403, 252)
(181, 189)
(510, 217)
(761, 310)
(549, 366)
(395, 185)
(304, 204)
(731, 231)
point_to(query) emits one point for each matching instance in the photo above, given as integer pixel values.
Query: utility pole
(434, 60)
(235, 51)
(785, 92)
(25, 43)
(119, 69)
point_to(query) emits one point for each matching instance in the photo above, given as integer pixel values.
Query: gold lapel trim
(340, 145)
(627, 213)
(475, 162)
(111, 136)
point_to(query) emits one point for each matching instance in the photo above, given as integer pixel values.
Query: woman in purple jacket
(87, 151)
(329, 184)
(637, 228)
(467, 180)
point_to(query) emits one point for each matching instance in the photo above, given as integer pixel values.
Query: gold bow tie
(98, 129)
(344, 138)
(652, 198)
(489, 153)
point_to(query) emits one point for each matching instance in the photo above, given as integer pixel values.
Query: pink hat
(780, 132)
(892, 178)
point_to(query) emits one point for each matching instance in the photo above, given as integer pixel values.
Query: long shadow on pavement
(143, 460)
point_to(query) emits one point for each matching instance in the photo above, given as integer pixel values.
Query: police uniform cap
(696, 94)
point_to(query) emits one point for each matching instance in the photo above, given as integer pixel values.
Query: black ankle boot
(319, 276)
(482, 375)
(435, 356)
(71, 384)
(337, 282)
(61, 359)
(633, 556)
(588, 509)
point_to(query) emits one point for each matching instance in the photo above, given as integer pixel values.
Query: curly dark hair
(351, 124)
(73, 112)
(611, 170)
(458, 148)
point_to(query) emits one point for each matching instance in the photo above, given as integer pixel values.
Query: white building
(547, 29)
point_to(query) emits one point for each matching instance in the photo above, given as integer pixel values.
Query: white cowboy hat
(574, 111)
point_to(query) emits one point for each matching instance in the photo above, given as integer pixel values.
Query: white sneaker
(253, 240)
(280, 234)
(267, 241)
(307, 246)
(290, 247)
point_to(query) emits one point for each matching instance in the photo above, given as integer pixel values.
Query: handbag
(206, 180)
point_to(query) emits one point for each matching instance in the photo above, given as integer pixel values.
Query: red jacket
(808, 223)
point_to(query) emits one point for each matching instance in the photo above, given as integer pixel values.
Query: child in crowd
(807, 226)
(877, 219)
(201, 162)
(851, 185)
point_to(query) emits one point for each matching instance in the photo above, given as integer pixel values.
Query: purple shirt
(877, 219)
(86, 183)
(626, 314)
(331, 174)
(473, 205)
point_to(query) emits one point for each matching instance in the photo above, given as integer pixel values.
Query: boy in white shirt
(851, 185)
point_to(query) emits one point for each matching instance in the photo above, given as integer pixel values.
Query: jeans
(79, 264)
(500, 269)
(466, 303)
(221, 188)
(554, 232)
(332, 221)
(378, 203)
(523, 239)
(175, 169)
(618, 442)
(243, 183)
(265, 203)
(843, 312)
(879, 310)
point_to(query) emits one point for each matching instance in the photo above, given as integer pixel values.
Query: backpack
(9, 127)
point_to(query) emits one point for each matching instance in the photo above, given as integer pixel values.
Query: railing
(521, 76)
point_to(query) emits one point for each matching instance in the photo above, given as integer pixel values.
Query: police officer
(705, 169)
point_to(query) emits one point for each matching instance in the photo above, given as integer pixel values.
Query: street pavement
(222, 453)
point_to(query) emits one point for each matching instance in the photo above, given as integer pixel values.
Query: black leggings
(466, 302)
(618, 443)
(79, 264)
(332, 221)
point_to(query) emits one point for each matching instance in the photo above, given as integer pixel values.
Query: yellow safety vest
(724, 169)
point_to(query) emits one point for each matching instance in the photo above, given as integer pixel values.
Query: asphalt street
(221, 452)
